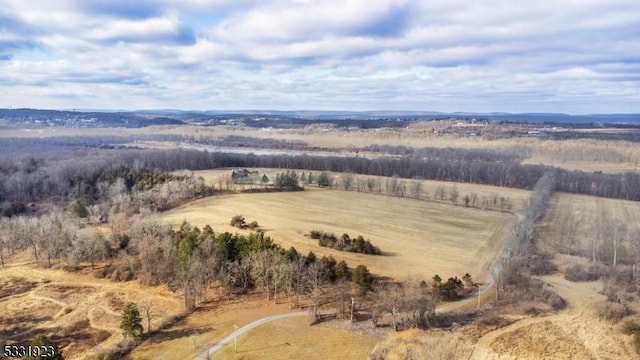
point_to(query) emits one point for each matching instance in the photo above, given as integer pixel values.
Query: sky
(570, 56)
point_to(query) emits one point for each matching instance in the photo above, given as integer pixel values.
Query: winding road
(205, 355)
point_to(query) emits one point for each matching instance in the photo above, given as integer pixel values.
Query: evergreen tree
(362, 278)
(131, 324)
(324, 179)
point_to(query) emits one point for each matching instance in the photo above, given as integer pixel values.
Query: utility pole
(235, 338)
(353, 303)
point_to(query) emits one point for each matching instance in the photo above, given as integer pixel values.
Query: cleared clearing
(294, 338)
(418, 237)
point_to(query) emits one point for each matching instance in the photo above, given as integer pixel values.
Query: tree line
(506, 174)
(28, 179)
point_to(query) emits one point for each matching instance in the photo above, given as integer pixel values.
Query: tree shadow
(262, 348)
(177, 334)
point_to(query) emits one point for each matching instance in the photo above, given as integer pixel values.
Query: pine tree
(131, 324)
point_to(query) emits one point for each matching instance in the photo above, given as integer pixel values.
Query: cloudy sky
(572, 56)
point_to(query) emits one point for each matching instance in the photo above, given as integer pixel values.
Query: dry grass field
(574, 333)
(80, 313)
(293, 338)
(418, 237)
(427, 190)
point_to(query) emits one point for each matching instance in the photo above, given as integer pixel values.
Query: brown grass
(294, 338)
(417, 344)
(576, 332)
(428, 188)
(210, 323)
(74, 310)
(418, 237)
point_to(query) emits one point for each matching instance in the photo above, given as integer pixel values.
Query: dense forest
(27, 179)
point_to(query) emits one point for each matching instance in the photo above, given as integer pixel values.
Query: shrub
(541, 264)
(556, 301)
(631, 327)
(613, 311)
(238, 221)
(580, 273)
(533, 311)
(345, 243)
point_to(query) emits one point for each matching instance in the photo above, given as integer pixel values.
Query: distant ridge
(142, 118)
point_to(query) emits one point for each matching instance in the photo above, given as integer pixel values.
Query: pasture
(417, 237)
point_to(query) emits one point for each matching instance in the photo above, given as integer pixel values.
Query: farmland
(417, 237)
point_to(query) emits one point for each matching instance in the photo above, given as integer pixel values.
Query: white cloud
(451, 55)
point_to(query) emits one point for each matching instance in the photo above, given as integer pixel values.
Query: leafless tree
(90, 247)
(568, 224)
(262, 268)
(454, 194)
(149, 312)
(416, 187)
(347, 180)
(316, 277)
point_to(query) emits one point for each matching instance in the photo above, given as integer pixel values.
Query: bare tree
(454, 194)
(281, 274)
(316, 277)
(618, 237)
(149, 312)
(568, 224)
(390, 298)
(90, 247)
(347, 180)
(416, 187)
(262, 268)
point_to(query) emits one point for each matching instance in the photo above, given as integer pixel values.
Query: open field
(427, 190)
(418, 237)
(293, 338)
(80, 313)
(588, 166)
